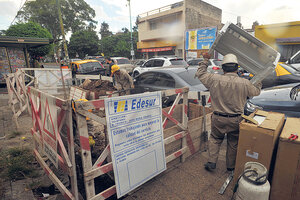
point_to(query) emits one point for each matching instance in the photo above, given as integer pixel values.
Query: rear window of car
(178, 62)
(123, 61)
(90, 65)
(188, 76)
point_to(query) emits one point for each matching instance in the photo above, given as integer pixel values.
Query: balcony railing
(162, 9)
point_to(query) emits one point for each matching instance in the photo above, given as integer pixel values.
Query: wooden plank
(184, 122)
(71, 151)
(171, 110)
(92, 116)
(174, 137)
(176, 154)
(171, 92)
(85, 154)
(90, 175)
(102, 157)
(53, 177)
(105, 194)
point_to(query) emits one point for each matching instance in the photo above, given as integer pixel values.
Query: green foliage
(84, 42)
(16, 163)
(104, 30)
(31, 29)
(76, 14)
(119, 44)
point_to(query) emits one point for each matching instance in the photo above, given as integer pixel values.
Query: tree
(119, 44)
(84, 42)
(104, 30)
(31, 29)
(76, 14)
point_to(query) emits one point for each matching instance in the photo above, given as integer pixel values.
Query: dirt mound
(99, 86)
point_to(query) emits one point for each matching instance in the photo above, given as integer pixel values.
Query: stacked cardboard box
(257, 142)
(286, 179)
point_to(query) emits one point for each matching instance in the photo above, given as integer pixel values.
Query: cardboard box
(257, 142)
(286, 178)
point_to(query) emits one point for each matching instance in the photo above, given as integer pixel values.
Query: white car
(153, 63)
(123, 63)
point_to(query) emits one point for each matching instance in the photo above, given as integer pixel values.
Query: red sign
(157, 49)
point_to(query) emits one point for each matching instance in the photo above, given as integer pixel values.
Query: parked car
(123, 63)
(88, 67)
(214, 65)
(101, 59)
(165, 78)
(153, 63)
(295, 60)
(284, 99)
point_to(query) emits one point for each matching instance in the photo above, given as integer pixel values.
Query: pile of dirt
(99, 86)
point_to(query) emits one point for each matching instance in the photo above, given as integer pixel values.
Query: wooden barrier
(46, 78)
(52, 123)
(18, 100)
(181, 140)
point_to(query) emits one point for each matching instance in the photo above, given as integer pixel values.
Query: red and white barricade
(178, 140)
(52, 130)
(18, 101)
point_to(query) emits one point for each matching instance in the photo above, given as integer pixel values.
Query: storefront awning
(157, 49)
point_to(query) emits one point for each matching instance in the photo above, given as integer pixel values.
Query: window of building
(153, 25)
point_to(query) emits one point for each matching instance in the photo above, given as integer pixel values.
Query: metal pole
(131, 50)
(65, 46)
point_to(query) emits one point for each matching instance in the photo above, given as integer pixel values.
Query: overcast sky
(116, 13)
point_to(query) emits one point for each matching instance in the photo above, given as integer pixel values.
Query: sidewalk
(188, 180)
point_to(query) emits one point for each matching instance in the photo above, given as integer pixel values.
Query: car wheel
(135, 74)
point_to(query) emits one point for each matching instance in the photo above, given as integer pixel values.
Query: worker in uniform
(110, 63)
(123, 81)
(228, 93)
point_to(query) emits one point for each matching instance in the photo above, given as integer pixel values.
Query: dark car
(284, 99)
(93, 67)
(168, 78)
(283, 74)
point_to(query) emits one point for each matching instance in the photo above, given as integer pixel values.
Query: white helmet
(229, 58)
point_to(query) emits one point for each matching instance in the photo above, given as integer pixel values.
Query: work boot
(209, 166)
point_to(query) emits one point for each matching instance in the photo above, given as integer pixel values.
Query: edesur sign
(136, 139)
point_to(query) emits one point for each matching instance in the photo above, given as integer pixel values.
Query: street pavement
(188, 180)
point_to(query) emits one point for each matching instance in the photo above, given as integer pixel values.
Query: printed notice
(134, 124)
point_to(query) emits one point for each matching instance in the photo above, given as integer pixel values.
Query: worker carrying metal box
(228, 93)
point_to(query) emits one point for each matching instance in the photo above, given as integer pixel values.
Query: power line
(21, 7)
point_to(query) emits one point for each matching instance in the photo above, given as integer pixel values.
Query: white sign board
(134, 124)
(49, 129)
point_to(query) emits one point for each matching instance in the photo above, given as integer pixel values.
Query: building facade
(284, 37)
(162, 31)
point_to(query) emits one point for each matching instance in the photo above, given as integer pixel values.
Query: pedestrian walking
(229, 93)
(123, 81)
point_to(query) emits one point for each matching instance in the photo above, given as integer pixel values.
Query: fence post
(184, 121)
(85, 154)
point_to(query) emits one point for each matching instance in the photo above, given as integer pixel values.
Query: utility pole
(131, 50)
(65, 46)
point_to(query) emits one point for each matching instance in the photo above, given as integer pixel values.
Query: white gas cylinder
(253, 183)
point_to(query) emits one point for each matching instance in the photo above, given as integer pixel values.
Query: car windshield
(90, 65)
(178, 62)
(290, 68)
(188, 76)
(123, 61)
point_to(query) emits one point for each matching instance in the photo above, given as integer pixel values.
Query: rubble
(98, 86)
